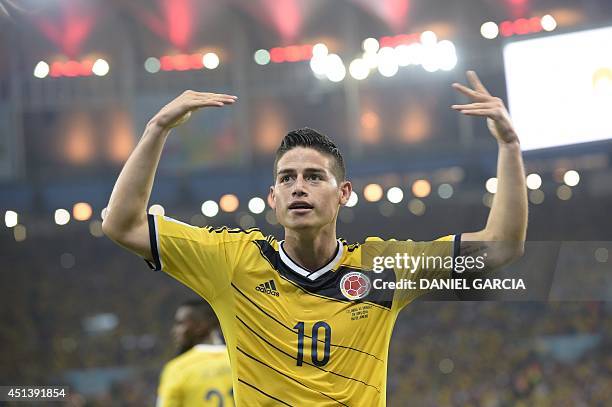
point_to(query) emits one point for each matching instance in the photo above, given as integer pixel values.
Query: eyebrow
(291, 170)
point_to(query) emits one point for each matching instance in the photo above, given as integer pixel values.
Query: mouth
(300, 207)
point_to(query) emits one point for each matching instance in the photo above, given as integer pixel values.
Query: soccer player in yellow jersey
(301, 323)
(200, 375)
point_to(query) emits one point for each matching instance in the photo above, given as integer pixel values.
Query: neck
(311, 250)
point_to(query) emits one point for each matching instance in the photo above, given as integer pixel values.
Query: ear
(345, 192)
(271, 200)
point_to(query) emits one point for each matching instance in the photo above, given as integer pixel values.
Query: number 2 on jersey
(314, 341)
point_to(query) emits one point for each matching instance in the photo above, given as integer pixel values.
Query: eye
(285, 178)
(314, 177)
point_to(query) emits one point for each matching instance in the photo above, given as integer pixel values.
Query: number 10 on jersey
(314, 339)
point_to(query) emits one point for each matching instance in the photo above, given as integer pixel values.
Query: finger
(472, 94)
(217, 100)
(219, 95)
(472, 106)
(479, 112)
(476, 83)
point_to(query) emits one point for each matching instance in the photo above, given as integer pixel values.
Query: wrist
(155, 127)
(509, 145)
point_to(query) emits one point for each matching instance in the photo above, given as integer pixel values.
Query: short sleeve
(436, 259)
(204, 259)
(168, 392)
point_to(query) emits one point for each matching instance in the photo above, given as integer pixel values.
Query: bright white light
(571, 178)
(576, 112)
(319, 50)
(371, 59)
(534, 181)
(257, 205)
(336, 71)
(353, 199)
(152, 65)
(445, 191)
(157, 209)
(387, 62)
(210, 208)
(395, 195)
(210, 60)
(548, 22)
(262, 57)
(41, 70)
(431, 61)
(447, 55)
(62, 216)
(11, 219)
(100, 67)
(489, 30)
(370, 45)
(318, 64)
(403, 55)
(491, 185)
(359, 69)
(429, 38)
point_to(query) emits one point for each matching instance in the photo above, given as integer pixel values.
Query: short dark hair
(202, 309)
(310, 138)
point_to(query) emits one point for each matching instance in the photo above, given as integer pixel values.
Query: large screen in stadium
(560, 88)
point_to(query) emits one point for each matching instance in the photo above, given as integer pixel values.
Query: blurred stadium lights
(62, 217)
(229, 203)
(445, 191)
(262, 57)
(19, 233)
(71, 68)
(571, 178)
(210, 208)
(564, 192)
(41, 70)
(491, 185)
(210, 60)
(489, 30)
(82, 211)
(353, 199)
(536, 196)
(416, 207)
(534, 181)
(11, 219)
(372, 192)
(387, 55)
(182, 62)
(157, 209)
(291, 53)
(257, 205)
(521, 26)
(395, 195)
(421, 188)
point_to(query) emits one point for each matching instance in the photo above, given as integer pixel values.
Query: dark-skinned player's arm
(507, 221)
(126, 218)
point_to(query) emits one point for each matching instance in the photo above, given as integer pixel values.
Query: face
(306, 195)
(187, 330)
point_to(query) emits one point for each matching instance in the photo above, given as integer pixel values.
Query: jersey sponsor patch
(355, 285)
(268, 288)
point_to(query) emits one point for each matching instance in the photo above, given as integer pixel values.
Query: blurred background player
(200, 375)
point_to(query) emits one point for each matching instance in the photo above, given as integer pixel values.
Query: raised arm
(126, 217)
(507, 221)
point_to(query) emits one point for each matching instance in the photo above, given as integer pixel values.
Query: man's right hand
(179, 110)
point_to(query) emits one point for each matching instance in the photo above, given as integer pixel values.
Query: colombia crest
(355, 285)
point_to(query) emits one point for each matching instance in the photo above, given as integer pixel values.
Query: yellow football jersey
(294, 337)
(199, 377)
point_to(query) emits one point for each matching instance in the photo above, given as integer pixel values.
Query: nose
(299, 187)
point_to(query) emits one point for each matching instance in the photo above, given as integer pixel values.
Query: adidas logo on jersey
(268, 288)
